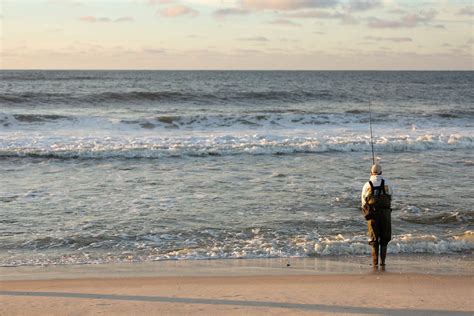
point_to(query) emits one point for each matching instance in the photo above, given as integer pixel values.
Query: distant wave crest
(156, 147)
(173, 97)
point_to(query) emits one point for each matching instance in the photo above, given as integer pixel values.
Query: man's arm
(363, 195)
(389, 188)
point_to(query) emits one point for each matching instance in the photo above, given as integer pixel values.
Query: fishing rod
(371, 136)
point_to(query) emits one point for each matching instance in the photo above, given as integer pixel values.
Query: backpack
(377, 200)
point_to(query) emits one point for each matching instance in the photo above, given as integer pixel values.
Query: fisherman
(376, 198)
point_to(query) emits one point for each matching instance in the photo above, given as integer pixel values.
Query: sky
(237, 34)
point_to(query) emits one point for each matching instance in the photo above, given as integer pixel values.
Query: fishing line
(371, 136)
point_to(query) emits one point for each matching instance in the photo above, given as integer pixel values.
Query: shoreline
(410, 285)
(335, 265)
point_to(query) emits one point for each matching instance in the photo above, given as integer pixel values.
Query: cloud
(66, 2)
(124, 19)
(248, 51)
(154, 51)
(380, 24)
(469, 10)
(349, 19)
(230, 11)
(154, 2)
(314, 14)
(93, 19)
(288, 40)
(389, 39)
(363, 5)
(407, 21)
(397, 11)
(261, 39)
(345, 18)
(286, 5)
(178, 10)
(284, 22)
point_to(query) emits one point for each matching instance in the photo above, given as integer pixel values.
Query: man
(376, 198)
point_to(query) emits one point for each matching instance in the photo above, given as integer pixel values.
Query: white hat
(376, 169)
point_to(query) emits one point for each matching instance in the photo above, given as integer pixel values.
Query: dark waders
(380, 233)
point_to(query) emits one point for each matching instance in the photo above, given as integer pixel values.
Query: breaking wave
(283, 96)
(427, 218)
(274, 119)
(162, 147)
(210, 245)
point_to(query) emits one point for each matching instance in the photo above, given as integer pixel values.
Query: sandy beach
(235, 287)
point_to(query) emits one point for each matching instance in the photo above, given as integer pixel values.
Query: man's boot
(383, 254)
(375, 255)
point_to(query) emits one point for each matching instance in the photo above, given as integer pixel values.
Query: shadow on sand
(308, 307)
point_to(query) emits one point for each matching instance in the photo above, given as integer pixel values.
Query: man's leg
(385, 234)
(375, 254)
(383, 254)
(373, 241)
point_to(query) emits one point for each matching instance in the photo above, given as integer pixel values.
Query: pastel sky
(237, 34)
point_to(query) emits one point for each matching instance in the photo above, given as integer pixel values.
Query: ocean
(137, 166)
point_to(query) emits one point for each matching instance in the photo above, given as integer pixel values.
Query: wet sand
(235, 287)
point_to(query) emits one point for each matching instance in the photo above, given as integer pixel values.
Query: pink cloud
(178, 10)
(286, 5)
(407, 21)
